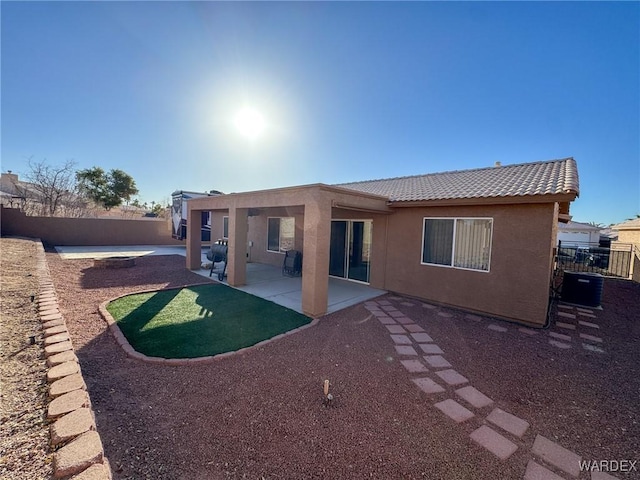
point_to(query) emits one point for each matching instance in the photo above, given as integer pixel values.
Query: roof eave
(511, 200)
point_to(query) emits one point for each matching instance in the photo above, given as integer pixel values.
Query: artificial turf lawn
(198, 321)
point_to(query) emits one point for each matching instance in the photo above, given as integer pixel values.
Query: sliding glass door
(350, 251)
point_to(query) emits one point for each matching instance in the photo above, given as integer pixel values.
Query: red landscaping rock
(66, 385)
(78, 455)
(68, 403)
(71, 425)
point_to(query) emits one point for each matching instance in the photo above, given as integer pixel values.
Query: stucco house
(628, 231)
(481, 239)
(578, 234)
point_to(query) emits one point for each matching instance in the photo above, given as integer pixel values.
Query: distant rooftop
(539, 178)
(632, 224)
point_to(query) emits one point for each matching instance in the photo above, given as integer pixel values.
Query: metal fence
(611, 260)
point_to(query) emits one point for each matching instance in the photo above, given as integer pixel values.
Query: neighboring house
(578, 234)
(628, 231)
(480, 240)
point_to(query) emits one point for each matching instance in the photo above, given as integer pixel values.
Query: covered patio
(264, 281)
(312, 208)
(267, 281)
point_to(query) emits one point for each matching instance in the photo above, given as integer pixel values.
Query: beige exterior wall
(87, 231)
(517, 285)
(629, 236)
(515, 288)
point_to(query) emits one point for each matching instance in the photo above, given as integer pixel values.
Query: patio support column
(194, 254)
(315, 260)
(237, 253)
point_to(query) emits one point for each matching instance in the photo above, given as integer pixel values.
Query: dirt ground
(24, 434)
(261, 415)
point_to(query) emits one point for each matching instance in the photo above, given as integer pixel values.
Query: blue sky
(349, 91)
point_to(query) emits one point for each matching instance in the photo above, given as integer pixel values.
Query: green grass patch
(198, 321)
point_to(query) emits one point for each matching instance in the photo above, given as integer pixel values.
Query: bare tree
(51, 187)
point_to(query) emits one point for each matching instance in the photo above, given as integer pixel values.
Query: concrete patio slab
(584, 310)
(566, 326)
(422, 337)
(413, 328)
(588, 315)
(445, 314)
(427, 385)
(387, 320)
(401, 339)
(437, 361)
(431, 348)
(454, 410)
(452, 377)
(538, 472)
(396, 314)
(602, 476)
(405, 350)
(395, 329)
(414, 366)
(264, 281)
(592, 338)
(556, 455)
(403, 320)
(508, 422)
(500, 446)
(588, 324)
(560, 336)
(555, 343)
(566, 315)
(474, 397)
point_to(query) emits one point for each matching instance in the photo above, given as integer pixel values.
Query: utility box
(582, 288)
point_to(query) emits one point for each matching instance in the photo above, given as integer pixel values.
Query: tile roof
(538, 178)
(631, 224)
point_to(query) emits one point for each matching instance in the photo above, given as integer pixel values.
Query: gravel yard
(24, 434)
(261, 415)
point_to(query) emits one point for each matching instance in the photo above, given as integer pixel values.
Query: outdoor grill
(218, 253)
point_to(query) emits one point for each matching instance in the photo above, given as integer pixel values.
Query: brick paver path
(501, 433)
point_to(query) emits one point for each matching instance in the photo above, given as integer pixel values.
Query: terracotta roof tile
(539, 178)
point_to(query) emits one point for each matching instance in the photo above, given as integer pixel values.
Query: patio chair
(292, 265)
(218, 253)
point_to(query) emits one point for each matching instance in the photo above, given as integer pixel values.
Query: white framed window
(225, 227)
(457, 242)
(280, 234)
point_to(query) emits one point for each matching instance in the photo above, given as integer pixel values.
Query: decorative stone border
(132, 353)
(77, 444)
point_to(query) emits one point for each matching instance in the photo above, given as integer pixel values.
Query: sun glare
(249, 122)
